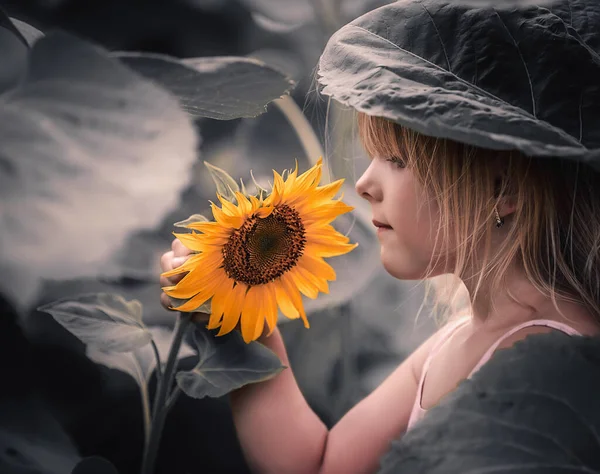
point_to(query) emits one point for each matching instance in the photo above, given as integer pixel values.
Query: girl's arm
(279, 432)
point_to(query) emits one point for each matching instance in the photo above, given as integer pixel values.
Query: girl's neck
(532, 304)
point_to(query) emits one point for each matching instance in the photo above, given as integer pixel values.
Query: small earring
(499, 220)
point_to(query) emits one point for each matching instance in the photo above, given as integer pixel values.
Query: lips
(380, 225)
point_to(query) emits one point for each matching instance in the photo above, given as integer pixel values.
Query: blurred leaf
(282, 15)
(531, 409)
(222, 88)
(13, 51)
(226, 185)
(506, 3)
(141, 362)
(191, 220)
(29, 33)
(94, 465)
(104, 320)
(278, 27)
(89, 153)
(226, 363)
(32, 441)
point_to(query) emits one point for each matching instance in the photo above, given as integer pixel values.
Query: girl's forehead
(497, 79)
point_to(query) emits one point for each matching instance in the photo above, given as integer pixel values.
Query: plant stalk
(160, 410)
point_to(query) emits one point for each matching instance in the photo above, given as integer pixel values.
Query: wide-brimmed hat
(525, 79)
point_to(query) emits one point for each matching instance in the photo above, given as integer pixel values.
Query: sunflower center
(264, 249)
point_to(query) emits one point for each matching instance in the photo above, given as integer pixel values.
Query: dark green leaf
(32, 441)
(532, 409)
(226, 363)
(106, 321)
(28, 32)
(141, 362)
(89, 153)
(506, 79)
(94, 465)
(280, 16)
(507, 3)
(226, 185)
(13, 51)
(221, 88)
(191, 220)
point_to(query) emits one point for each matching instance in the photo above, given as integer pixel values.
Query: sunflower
(261, 254)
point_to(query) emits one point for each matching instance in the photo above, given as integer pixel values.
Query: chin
(396, 270)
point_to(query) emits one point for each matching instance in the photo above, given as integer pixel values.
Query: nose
(367, 186)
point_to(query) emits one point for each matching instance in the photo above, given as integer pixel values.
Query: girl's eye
(397, 161)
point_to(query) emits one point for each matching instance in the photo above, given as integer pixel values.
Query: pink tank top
(418, 412)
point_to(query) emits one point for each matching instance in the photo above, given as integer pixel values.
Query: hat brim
(442, 70)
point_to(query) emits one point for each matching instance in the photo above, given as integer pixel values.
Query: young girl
(520, 232)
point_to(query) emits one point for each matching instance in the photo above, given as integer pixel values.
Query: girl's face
(409, 215)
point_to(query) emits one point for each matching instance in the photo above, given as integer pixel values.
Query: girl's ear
(507, 205)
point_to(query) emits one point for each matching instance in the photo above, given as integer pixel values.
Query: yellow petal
(278, 184)
(316, 266)
(249, 315)
(228, 207)
(264, 212)
(201, 298)
(284, 301)
(243, 203)
(197, 283)
(319, 196)
(191, 241)
(234, 222)
(186, 266)
(217, 304)
(259, 324)
(269, 306)
(233, 308)
(210, 228)
(325, 249)
(292, 291)
(316, 281)
(306, 287)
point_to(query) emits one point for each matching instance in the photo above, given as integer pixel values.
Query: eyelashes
(396, 161)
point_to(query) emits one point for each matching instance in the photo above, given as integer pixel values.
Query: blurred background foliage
(358, 334)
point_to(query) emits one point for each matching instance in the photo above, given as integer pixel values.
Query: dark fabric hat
(524, 79)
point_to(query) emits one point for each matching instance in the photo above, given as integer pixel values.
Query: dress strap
(445, 334)
(534, 322)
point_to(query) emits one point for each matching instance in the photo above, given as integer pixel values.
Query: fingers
(179, 250)
(168, 261)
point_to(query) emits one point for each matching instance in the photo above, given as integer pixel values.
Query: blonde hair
(554, 234)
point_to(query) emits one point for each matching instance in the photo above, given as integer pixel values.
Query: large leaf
(226, 363)
(221, 88)
(281, 15)
(532, 409)
(32, 441)
(507, 3)
(141, 362)
(29, 33)
(89, 153)
(476, 75)
(104, 320)
(94, 465)
(13, 51)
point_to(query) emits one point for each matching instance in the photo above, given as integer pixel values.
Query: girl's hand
(170, 260)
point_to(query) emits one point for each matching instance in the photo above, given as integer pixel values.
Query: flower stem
(146, 413)
(159, 412)
(159, 368)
